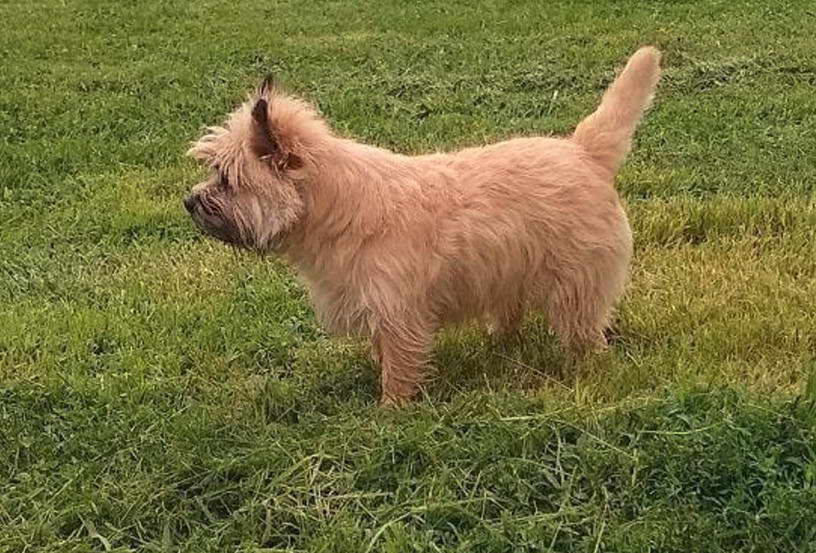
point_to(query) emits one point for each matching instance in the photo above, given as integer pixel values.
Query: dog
(393, 247)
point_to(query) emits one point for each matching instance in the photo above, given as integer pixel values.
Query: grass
(158, 393)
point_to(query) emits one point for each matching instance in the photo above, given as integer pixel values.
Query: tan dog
(393, 247)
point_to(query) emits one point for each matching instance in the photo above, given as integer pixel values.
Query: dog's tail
(607, 134)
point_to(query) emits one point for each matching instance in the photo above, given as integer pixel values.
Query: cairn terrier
(392, 247)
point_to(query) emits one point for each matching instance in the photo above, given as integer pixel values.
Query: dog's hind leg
(402, 353)
(578, 311)
(504, 326)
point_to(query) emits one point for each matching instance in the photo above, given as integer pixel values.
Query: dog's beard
(241, 231)
(212, 221)
(215, 227)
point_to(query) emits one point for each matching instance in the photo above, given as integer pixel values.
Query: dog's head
(258, 161)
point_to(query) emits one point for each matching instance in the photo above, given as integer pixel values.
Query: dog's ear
(265, 142)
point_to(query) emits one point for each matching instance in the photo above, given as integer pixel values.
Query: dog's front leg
(402, 353)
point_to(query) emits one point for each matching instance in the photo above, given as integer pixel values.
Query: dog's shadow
(468, 359)
(465, 360)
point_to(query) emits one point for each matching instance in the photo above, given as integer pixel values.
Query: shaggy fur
(393, 247)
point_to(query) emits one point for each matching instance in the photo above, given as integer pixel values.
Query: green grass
(159, 393)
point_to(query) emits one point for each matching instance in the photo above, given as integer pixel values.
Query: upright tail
(607, 134)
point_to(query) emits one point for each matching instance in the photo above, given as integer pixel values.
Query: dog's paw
(389, 402)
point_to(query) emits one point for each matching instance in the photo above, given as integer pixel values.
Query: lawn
(160, 393)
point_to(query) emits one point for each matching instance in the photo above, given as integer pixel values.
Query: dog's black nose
(189, 203)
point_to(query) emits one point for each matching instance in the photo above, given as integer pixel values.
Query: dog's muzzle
(207, 221)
